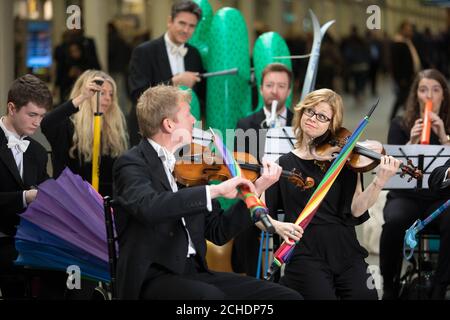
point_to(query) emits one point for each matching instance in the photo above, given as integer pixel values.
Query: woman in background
(69, 129)
(403, 207)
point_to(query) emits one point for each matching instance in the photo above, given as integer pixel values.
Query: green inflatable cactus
(228, 97)
(200, 36)
(267, 46)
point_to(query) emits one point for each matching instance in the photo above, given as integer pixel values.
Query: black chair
(416, 283)
(108, 291)
(20, 284)
(108, 204)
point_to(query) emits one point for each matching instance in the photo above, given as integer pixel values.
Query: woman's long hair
(412, 110)
(114, 135)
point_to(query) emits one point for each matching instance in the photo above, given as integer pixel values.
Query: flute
(425, 137)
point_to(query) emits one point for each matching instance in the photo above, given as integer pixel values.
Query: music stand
(201, 137)
(279, 141)
(424, 157)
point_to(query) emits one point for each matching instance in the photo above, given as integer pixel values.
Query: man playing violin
(329, 262)
(162, 230)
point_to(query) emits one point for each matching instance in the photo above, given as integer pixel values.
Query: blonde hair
(311, 100)
(114, 135)
(156, 104)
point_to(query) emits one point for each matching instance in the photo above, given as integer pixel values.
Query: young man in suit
(162, 230)
(167, 59)
(251, 133)
(23, 165)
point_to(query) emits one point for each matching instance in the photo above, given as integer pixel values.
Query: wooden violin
(365, 155)
(197, 165)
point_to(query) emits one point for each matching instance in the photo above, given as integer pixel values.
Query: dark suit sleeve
(436, 180)
(11, 202)
(139, 78)
(136, 193)
(55, 121)
(222, 226)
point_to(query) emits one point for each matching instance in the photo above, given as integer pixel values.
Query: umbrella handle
(410, 240)
(96, 148)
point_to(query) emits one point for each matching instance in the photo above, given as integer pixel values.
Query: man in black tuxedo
(23, 165)
(251, 133)
(162, 230)
(439, 180)
(167, 59)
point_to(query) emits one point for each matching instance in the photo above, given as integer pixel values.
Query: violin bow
(284, 253)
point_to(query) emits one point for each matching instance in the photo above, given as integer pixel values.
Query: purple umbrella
(72, 210)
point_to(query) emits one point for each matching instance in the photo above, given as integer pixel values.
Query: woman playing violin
(403, 207)
(329, 261)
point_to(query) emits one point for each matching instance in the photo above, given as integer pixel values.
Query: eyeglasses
(319, 116)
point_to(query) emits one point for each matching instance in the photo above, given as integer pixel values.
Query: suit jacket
(12, 185)
(150, 66)
(148, 219)
(435, 181)
(254, 122)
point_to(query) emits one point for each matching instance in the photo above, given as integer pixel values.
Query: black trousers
(198, 284)
(399, 215)
(317, 280)
(245, 251)
(19, 283)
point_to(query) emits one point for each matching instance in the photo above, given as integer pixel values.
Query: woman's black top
(331, 231)
(59, 130)
(336, 206)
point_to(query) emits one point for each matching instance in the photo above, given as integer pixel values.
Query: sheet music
(279, 141)
(201, 137)
(433, 156)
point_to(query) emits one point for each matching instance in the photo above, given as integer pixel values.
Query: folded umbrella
(65, 226)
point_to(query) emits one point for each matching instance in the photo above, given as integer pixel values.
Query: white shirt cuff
(208, 199)
(24, 199)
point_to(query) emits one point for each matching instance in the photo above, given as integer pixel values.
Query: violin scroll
(296, 178)
(411, 170)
